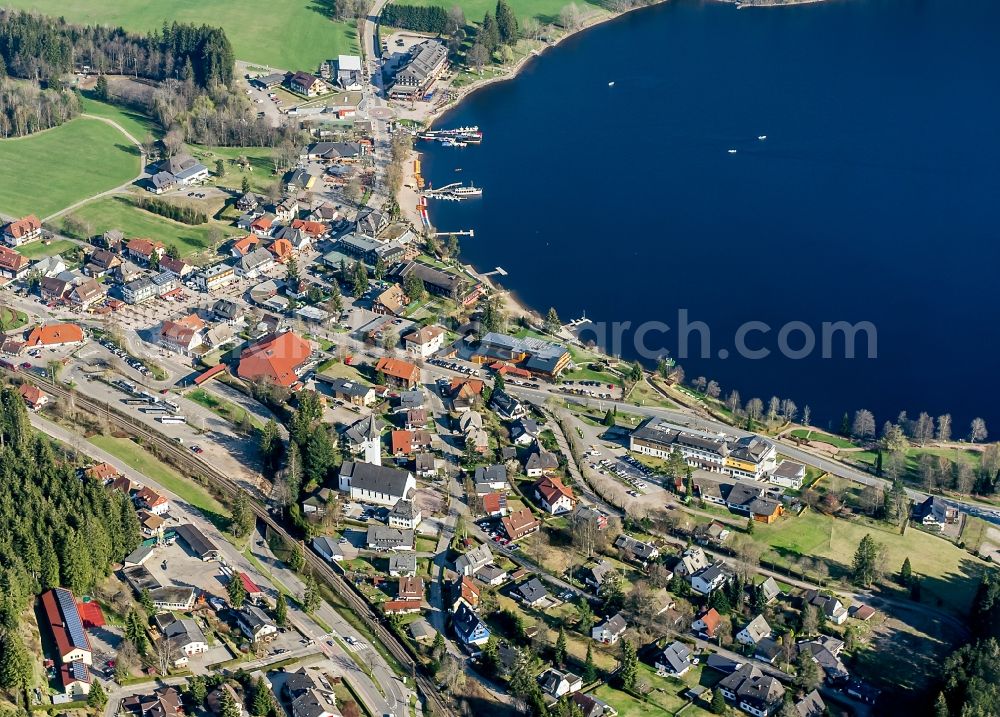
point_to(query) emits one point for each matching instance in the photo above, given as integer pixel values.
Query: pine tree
(628, 665)
(237, 591)
(941, 706)
(379, 270)
(750, 522)
(905, 572)
(719, 705)
(609, 418)
(230, 708)
(865, 563)
(552, 322)
(506, 23)
(101, 88)
(296, 559)
(245, 185)
(262, 700)
(310, 594)
(281, 610)
(589, 670)
(15, 665)
(560, 652)
(97, 697)
(489, 33)
(242, 520)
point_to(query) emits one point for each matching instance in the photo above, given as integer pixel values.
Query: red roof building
(400, 373)
(253, 590)
(63, 618)
(23, 230)
(33, 396)
(55, 335)
(495, 504)
(275, 358)
(520, 523)
(12, 264)
(102, 472)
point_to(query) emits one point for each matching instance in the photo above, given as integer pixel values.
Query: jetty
(458, 137)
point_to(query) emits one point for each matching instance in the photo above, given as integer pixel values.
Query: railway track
(182, 458)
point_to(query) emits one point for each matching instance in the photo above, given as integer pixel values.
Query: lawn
(12, 319)
(948, 572)
(545, 10)
(642, 394)
(149, 465)
(135, 123)
(819, 437)
(38, 249)
(120, 213)
(63, 165)
(222, 408)
(290, 34)
(261, 173)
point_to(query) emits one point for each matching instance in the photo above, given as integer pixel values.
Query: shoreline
(513, 306)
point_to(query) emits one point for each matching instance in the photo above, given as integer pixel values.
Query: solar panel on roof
(78, 670)
(71, 618)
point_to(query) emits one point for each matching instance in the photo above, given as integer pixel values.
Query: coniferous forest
(58, 529)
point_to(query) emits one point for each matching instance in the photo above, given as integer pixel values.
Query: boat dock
(459, 137)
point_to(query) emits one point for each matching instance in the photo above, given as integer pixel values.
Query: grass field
(12, 319)
(948, 572)
(261, 173)
(119, 213)
(38, 249)
(290, 34)
(819, 437)
(135, 123)
(222, 408)
(545, 10)
(149, 465)
(63, 165)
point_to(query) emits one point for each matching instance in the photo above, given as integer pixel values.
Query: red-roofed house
(152, 501)
(183, 335)
(63, 618)
(55, 335)
(398, 373)
(102, 472)
(275, 358)
(309, 228)
(261, 226)
(253, 590)
(400, 607)
(12, 264)
(244, 246)
(33, 396)
(554, 496)
(402, 443)
(22, 231)
(282, 250)
(707, 623)
(495, 504)
(520, 523)
(142, 250)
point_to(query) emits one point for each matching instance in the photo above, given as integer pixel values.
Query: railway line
(176, 454)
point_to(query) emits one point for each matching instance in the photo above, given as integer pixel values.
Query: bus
(156, 410)
(172, 419)
(136, 401)
(170, 405)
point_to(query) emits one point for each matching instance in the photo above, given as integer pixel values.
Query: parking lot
(492, 528)
(626, 469)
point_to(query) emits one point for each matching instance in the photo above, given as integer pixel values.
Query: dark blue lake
(874, 196)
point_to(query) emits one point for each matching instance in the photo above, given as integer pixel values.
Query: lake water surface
(874, 197)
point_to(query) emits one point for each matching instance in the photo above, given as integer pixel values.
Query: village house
(557, 683)
(520, 523)
(934, 512)
(540, 462)
(674, 660)
(536, 355)
(506, 406)
(182, 335)
(421, 67)
(554, 496)
(186, 639)
(12, 264)
(402, 564)
(831, 607)
(22, 231)
(707, 623)
(752, 691)
(469, 629)
(309, 85)
(754, 631)
(34, 398)
(464, 591)
(636, 550)
(405, 514)
(708, 580)
(142, 251)
(424, 342)
(611, 630)
(215, 277)
(789, 474)
(470, 561)
(255, 624)
(398, 373)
